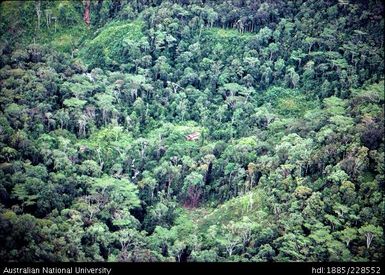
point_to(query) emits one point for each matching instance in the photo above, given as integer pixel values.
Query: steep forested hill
(192, 130)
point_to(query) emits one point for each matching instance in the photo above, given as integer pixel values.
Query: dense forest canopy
(192, 130)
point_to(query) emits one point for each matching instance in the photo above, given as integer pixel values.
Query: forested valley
(192, 130)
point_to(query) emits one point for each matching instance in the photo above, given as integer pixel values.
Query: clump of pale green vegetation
(182, 131)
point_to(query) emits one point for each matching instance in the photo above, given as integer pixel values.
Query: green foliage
(110, 45)
(206, 131)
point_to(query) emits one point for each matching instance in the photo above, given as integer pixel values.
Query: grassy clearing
(250, 204)
(108, 46)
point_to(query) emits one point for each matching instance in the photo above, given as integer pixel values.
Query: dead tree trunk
(87, 16)
(38, 13)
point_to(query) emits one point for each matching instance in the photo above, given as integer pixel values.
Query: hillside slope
(192, 131)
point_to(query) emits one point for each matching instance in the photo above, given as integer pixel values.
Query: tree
(347, 235)
(265, 253)
(38, 13)
(293, 77)
(105, 103)
(292, 247)
(370, 231)
(193, 184)
(86, 16)
(191, 131)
